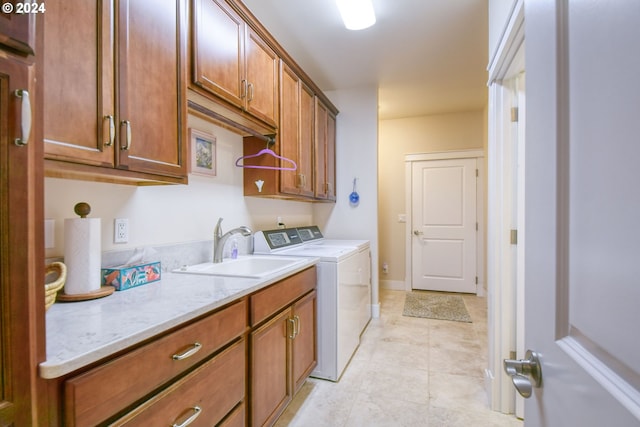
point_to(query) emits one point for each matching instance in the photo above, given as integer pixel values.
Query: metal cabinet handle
(296, 323)
(25, 120)
(126, 123)
(302, 181)
(193, 350)
(525, 373)
(243, 90)
(292, 322)
(250, 92)
(112, 130)
(196, 413)
(418, 233)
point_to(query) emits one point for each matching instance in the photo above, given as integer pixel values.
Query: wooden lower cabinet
(304, 343)
(238, 366)
(203, 398)
(270, 373)
(283, 348)
(101, 393)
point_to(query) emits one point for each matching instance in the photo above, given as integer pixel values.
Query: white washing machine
(311, 235)
(344, 291)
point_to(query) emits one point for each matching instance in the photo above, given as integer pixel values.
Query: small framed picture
(203, 153)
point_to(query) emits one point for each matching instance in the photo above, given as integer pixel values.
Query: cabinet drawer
(236, 418)
(100, 393)
(206, 395)
(277, 296)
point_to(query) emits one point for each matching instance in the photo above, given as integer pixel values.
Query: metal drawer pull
(196, 413)
(126, 123)
(112, 131)
(193, 350)
(25, 123)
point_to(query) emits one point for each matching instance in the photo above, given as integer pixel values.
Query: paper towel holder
(83, 209)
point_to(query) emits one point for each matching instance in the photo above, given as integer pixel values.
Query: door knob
(418, 233)
(525, 373)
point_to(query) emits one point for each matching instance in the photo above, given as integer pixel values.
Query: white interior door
(444, 225)
(582, 208)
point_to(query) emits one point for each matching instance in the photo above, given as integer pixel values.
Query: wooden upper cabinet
(79, 98)
(325, 152)
(330, 167)
(262, 78)
(296, 132)
(18, 30)
(232, 61)
(151, 104)
(305, 141)
(130, 117)
(218, 50)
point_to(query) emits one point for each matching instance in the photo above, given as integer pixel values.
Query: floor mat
(435, 306)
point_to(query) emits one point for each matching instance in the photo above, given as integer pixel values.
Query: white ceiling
(425, 56)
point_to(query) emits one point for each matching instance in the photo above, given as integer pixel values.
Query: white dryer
(344, 291)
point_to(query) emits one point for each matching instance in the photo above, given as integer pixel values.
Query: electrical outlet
(121, 230)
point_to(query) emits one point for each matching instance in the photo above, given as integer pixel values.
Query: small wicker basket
(51, 289)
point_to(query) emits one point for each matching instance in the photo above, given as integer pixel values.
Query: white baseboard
(481, 290)
(375, 311)
(394, 285)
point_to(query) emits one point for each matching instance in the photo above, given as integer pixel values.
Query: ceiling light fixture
(356, 14)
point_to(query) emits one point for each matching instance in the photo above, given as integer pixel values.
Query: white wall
(173, 213)
(357, 157)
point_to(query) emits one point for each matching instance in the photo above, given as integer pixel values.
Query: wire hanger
(270, 152)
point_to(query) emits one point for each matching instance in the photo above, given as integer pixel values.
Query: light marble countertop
(81, 333)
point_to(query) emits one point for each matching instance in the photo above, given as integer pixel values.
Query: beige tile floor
(407, 372)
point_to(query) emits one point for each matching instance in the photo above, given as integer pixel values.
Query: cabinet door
(151, 101)
(330, 161)
(325, 152)
(305, 157)
(18, 30)
(289, 127)
(262, 78)
(320, 151)
(79, 104)
(304, 357)
(218, 50)
(21, 248)
(270, 374)
(296, 132)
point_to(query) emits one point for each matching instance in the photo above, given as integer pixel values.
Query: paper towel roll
(82, 255)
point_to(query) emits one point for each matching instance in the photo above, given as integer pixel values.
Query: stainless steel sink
(251, 266)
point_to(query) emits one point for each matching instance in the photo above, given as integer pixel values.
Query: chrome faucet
(220, 239)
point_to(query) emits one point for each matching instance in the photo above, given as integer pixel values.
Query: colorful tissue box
(129, 276)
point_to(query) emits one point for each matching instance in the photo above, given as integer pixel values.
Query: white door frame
(480, 209)
(503, 312)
